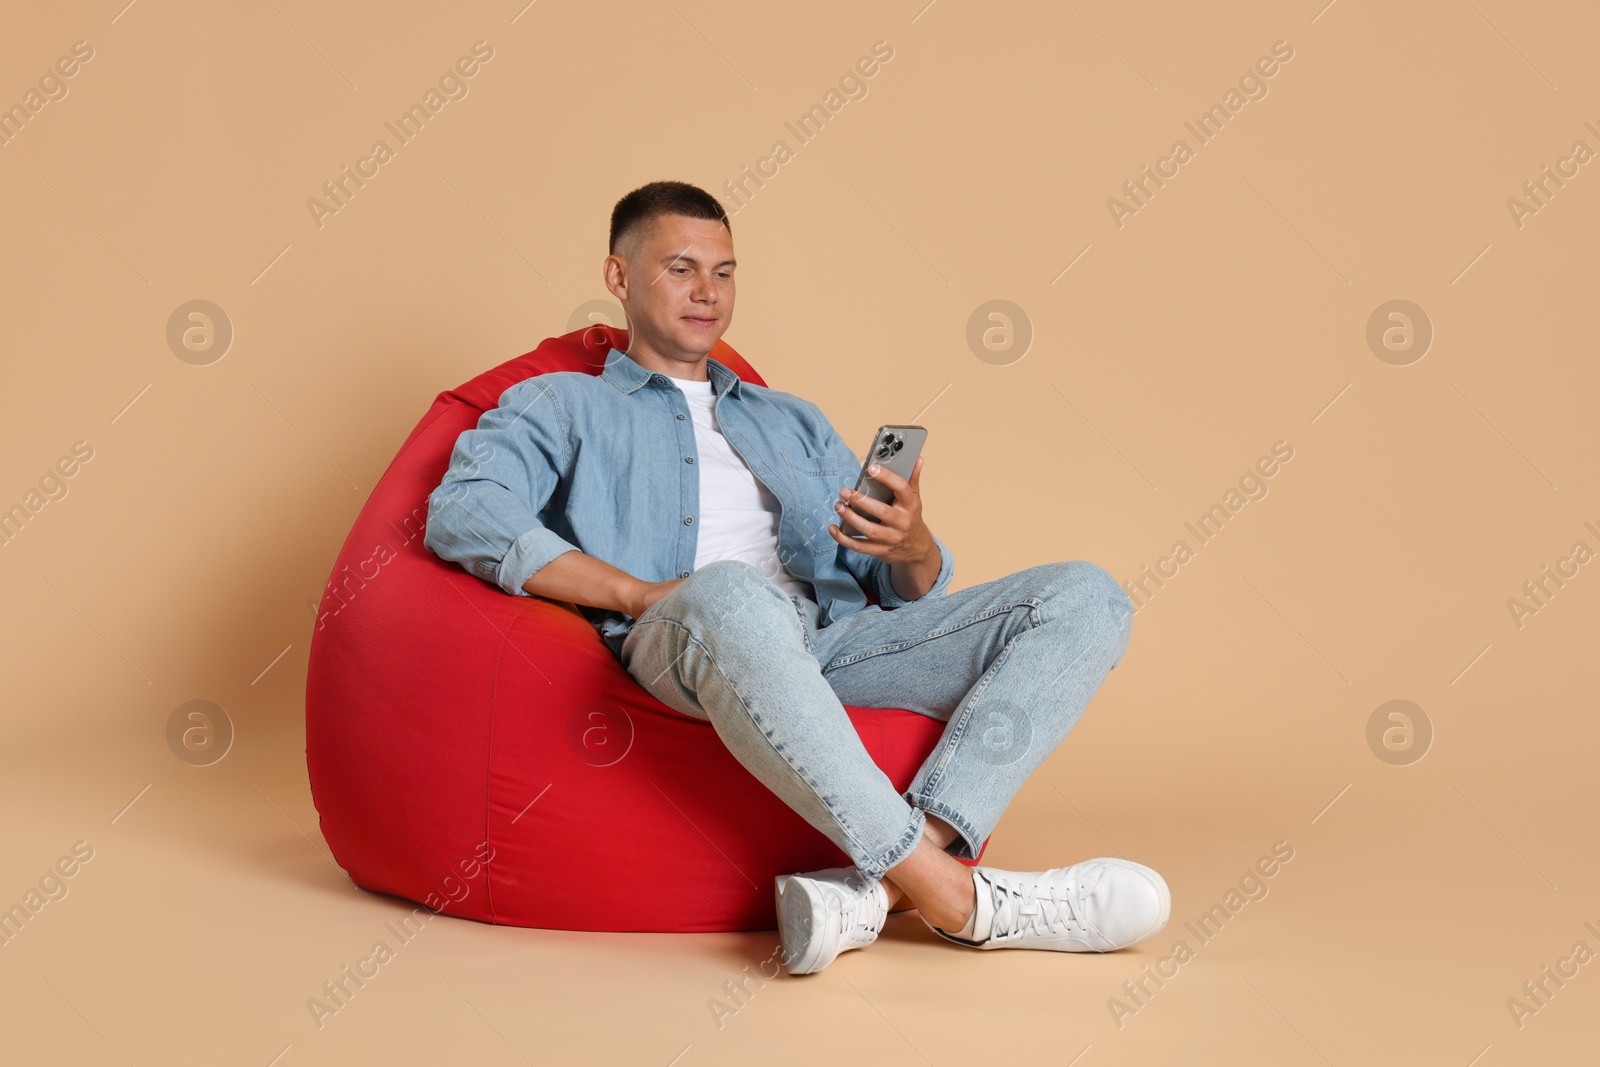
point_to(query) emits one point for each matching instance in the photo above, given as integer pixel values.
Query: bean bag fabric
(488, 757)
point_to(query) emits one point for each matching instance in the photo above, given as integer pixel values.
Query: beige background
(1228, 314)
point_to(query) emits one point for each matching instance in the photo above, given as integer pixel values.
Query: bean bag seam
(488, 778)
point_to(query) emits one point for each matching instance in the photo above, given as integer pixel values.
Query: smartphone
(895, 448)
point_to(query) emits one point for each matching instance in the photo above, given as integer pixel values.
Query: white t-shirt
(738, 515)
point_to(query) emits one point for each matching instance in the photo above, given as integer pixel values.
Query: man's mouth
(700, 320)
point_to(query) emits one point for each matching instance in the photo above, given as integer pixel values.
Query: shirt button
(688, 459)
(685, 574)
(658, 379)
(688, 520)
(680, 415)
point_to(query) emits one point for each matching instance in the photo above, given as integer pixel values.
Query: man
(686, 513)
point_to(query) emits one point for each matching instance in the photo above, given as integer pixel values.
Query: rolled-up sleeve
(888, 598)
(871, 572)
(484, 515)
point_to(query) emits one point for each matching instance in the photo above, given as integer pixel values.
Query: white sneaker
(824, 913)
(1099, 905)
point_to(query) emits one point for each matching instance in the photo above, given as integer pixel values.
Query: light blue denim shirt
(606, 464)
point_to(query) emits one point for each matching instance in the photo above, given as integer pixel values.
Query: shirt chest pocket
(815, 482)
(812, 466)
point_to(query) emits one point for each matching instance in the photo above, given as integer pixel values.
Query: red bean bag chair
(487, 756)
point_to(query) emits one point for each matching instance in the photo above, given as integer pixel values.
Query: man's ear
(614, 273)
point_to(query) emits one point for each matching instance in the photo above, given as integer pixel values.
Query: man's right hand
(577, 578)
(648, 593)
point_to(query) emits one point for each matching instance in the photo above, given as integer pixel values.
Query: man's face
(676, 285)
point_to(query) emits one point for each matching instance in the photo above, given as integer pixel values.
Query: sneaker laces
(859, 924)
(1039, 906)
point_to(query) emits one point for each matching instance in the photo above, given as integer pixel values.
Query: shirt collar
(622, 372)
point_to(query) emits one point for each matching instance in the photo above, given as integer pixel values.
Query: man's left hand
(899, 535)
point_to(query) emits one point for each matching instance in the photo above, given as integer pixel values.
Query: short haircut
(639, 208)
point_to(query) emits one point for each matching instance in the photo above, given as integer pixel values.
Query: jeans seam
(901, 848)
(805, 634)
(957, 734)
(1032, 602)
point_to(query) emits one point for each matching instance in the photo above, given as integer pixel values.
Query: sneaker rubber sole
(799, 918)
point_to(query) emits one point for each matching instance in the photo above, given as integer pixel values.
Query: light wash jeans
(1009, 665)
